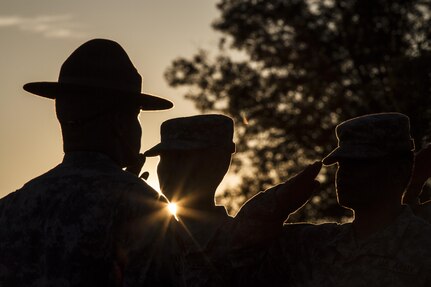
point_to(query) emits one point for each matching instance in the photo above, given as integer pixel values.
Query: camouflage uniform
(330, 255)
(252, 248)
(423, 211)
(215, 253)
(201, 261)
(86, 212)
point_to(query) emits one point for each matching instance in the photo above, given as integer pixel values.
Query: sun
(173, 208)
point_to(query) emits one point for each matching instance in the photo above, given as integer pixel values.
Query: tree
(288, 71)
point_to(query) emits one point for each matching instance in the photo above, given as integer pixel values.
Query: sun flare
(173, 208)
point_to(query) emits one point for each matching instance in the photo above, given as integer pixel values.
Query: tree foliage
(288, 71)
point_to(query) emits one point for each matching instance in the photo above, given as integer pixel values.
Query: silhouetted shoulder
(331, 255)
(417, 233)
(81, 210)
(311, 233)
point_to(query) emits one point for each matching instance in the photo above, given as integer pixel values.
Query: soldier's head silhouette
(375, 158)
(98, 98)
(195, 154)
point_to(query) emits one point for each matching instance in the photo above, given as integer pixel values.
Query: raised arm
(261, 218)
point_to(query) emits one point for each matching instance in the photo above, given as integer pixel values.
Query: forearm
(257, 222)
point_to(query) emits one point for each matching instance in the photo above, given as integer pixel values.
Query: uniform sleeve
(275, 262)
(249, 237)
(259, 220)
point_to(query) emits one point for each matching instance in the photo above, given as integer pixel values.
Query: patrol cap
(372, 136)
(194, 133)
(99, 69)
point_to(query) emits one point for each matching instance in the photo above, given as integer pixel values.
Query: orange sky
(37, 36)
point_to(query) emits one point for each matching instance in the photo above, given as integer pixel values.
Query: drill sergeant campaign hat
(97, 75)
(372, 136)
(194, 133)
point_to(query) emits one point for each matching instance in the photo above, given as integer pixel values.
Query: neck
(200, 209)
(373, 218)
(201, 199)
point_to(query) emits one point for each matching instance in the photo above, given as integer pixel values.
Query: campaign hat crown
(372, 136)
(99, 68)
(195, 133)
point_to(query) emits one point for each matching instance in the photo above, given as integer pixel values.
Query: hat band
(134, 88)
(390, 146)
(197, 144)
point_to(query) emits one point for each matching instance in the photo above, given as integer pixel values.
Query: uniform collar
(85, 158)
(202, 231)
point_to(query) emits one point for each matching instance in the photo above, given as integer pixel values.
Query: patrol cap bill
(99, 68)
(194, 133)
(372, 136)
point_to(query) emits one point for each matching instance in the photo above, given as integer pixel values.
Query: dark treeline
(288, 71)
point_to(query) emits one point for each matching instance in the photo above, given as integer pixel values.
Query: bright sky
(37, 36)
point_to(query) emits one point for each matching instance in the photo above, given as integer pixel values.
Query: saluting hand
(137, 167)
(296, 191)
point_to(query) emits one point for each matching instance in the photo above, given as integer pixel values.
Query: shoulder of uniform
(312, 227)
(138, 184)
(418, 225)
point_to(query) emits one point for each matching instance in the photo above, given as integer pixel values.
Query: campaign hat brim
(52, 90)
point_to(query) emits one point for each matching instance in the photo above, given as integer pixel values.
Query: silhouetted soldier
(195, 153)
(386, 244)
(79, 223)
